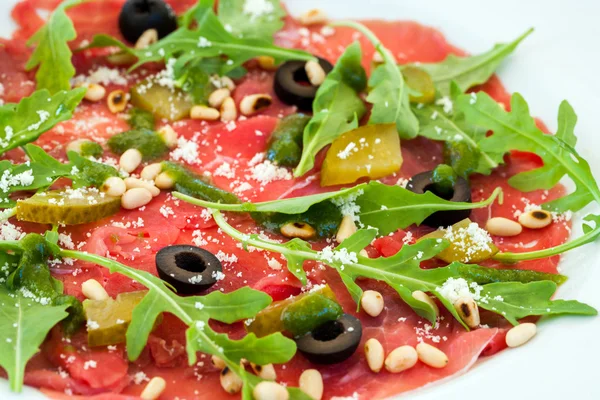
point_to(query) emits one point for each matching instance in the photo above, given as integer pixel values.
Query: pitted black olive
(332, 342)
(189, 269)
(137, 16)
(461, 192)
(292, 85)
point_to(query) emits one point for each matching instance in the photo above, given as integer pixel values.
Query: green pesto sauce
(483, 275)
(324, 217)
(444, 179)
(285, 145)
(461, 156)
(187, 182)
(90, 172)
(141, 119)
(33, 274)
(309, 312)
(91, 149)
(148, 142)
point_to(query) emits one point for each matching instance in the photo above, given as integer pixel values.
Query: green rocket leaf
(52, 53)
(24, 324)
(470, 71)
(337, 107)
(517, 130)
(24, 122)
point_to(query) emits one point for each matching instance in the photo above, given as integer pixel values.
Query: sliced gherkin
(109, 319)
(67, 206)
(163, 102)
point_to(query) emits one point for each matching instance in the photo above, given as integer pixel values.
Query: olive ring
(423, 182)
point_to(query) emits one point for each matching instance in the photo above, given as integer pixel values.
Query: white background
(559, 61)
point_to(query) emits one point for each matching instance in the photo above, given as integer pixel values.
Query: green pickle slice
(419, 81)
(163, 102)
(67, 206)
(297, 315)
(468, 243)
(109, 319)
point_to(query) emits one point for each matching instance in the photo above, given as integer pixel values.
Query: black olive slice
(189, 269)
(332, 342)
(292, 85)
(423, 182)
(137, 16)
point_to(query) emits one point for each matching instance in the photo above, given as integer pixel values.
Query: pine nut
(520, 334)
(93, 290)
(114, 186)
(255, 103)
(372, 302)
(503, 227)
(218, 362)
(148, 38)
(154, 388)
(168, 135)
(230, 382)
(75, 145)
(228, 110)
(298, 230)
(378, 58)
(117, 101)
(536, 219)
(227, 82)
(363, 253)
(347, 229)
(266, 63)
(164, 181)
(270, 391)
(135, 198)
(150, 172)
(467, 308)
(217, 97)
(316, 74)
(313, 17)
(204, 113)
(130, 160)
(132, 183)
(375, 354)
(266, 372)
(95, 92)
(311, 383)
(431, 356)
(401, 359)
(422, 296)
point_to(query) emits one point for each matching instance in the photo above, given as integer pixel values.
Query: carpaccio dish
(424, 194)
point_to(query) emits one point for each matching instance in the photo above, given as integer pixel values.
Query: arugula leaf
(24, 325)
(52, 53)
(517, 130)
(210, 39)
(42, 170)
(195, 312)
(402, 272)
(462, 149)
(337, 107)
(388, 92)
(514, 300)
(244, 23)
(387, 208)
(591, 234)
(469, 71)
(24, 122)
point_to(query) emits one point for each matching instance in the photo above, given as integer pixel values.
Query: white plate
(559, 61)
